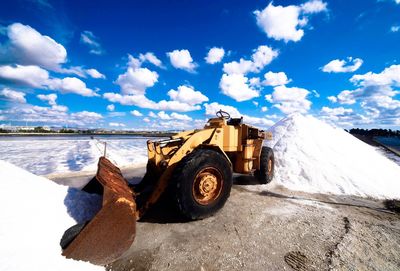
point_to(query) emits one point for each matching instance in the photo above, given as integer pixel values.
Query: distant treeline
(43, 131)
(375, 132)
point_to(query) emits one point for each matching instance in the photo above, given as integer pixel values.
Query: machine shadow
(165, 211)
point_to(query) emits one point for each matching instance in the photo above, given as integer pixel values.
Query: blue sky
(171, 64)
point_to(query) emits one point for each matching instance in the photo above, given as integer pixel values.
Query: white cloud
(143, 102)
(343, 116)
(88, 38)
(376, 94)
(332, 99)
(260, 58)
(116, 124)
(71, 85)
(12, 95)
(181, 59)
(313, 6)
(290, 100)
(146, 119)
(212, 108)
(264, 109)
(135, 80)
(389, 76)
(37, 77)
(395, 28)
(32, 76)
(150, 57)
(95, 74)
(286, 23)
(136, 113)
(186, 94)
(28, 47)
(215, 55)
(237, 87)
(116, 114)
(55, 114)
(152, 115)
(182, 117)
(110, 107)
(275, 79)
(164, 116)
(50, 98)
(349, 65)
(87, 115)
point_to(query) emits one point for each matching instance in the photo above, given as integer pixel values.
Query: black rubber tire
(265, 175)
(70, 234)
(184, 177)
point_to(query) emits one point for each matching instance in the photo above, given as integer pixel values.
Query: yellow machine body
(239, 143)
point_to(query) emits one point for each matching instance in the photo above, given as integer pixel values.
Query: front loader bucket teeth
(112, 231)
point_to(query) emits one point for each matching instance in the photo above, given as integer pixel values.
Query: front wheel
(267, 163)
(203, 182)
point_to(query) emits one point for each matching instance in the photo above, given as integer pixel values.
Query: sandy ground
(267, 228)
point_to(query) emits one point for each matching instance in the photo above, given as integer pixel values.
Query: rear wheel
(203, 182)
(267, 163)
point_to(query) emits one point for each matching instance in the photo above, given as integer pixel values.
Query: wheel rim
(270, 164)
(207, 185)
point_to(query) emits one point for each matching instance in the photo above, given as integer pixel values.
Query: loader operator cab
(223, 119)
(227, 116)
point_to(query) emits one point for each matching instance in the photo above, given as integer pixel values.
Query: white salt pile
(33, 217)
(315, 157)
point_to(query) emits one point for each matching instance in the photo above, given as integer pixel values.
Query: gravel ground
(270, 228)
(266, 227)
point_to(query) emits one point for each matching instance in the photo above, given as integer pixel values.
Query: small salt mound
(315, 157)
(33, 217)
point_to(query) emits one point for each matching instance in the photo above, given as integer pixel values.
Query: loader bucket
(112, 230)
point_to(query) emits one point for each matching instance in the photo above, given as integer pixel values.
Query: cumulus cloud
(287, 23)
(71, 85)
(12, 95)
(88, 38)
(143, 102)
(395, 28)
(313, 6)
(341, 116)
(136, 113)
(237, 87)
(349, 65)
(110, 107)
(27, 46)
(116, 124)
(181, 59)
(188, 95)
(136, 79)
(235, 84)
(261, 57)
(376, 94)
(212, 108)
(32, 76)
(95, 73)
(215, 55)
(50, 98)
(182, 117)
(56, 114)
(275, 79)
(150, 57)
(290, 99)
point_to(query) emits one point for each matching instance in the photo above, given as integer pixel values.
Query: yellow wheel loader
(196, 165)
